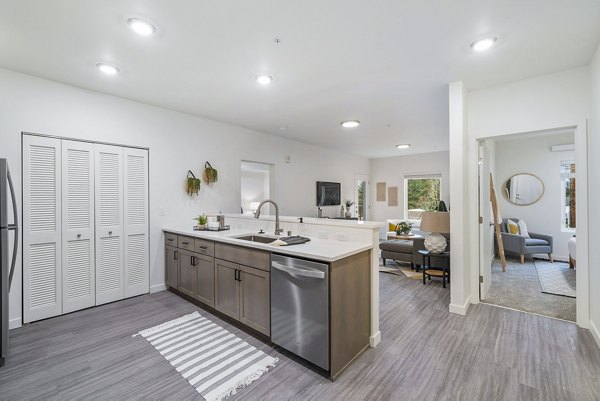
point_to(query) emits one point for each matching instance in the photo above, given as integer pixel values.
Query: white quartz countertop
(325, 250)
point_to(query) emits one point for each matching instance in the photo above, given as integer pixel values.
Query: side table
(429, 271)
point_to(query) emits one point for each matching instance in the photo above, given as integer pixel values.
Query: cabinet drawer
(185, 243)
(204, 247)
(244, 256)
(171, 239)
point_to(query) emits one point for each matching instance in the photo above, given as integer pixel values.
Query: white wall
(177, 142)
(594, 196)
(533, 156)
(540, 103)
(392, 171)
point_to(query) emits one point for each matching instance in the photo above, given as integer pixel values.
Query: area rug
(556, 278)
(210, 358)
(406, 271)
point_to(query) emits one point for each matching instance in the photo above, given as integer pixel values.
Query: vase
(348, 214)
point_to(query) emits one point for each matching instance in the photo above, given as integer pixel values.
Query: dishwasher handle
(298, 272)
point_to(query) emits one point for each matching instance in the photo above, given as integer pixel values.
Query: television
(328, 193)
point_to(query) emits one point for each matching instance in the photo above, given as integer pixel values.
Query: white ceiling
(386, 63)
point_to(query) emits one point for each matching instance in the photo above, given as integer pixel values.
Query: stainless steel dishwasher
(300, 308)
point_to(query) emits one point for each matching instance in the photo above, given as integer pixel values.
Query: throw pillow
(523, 229)
(392, 227)
(513, 227)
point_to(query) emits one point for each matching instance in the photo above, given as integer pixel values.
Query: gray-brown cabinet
(236, 282)
(190, 272)
(242, 286)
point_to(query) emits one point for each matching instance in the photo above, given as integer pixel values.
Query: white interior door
(135, 236)
(109, 223)
(78, 271)
(486, 229)
(42, 293)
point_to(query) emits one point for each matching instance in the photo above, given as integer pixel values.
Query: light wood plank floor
(426, 354)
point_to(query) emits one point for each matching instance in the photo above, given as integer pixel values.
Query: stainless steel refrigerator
(7, 260)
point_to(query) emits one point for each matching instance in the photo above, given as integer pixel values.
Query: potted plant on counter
(202, 221)
(348, 204)
(403, 228)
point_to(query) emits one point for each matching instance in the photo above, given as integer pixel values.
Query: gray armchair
(515, 244)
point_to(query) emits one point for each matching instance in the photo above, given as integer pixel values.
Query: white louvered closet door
(109, 223)
(42, 293)
(78, 271)
(135, 237)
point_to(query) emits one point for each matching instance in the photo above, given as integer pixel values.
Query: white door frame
(582, 270)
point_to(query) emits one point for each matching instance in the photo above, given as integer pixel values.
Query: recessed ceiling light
(350, 123)
(141, 27)
(403, 146)
(484, 44)
(283, 127)
(107, 68)
(264, 79)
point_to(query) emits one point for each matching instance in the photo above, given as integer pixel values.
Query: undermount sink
(256, 238)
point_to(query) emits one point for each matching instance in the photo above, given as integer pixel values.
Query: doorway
(538, 202)
(256, 185)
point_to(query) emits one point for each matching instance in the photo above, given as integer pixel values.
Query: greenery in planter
(202, 219)
(193, 184)
(403, 227)
(348, 203)
(210, 174)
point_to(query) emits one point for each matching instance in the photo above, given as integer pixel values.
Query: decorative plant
(348, 203)
(403, 227)
(210, 174)
(202, 219)
(192, 184)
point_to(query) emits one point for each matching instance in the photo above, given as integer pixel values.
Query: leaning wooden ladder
(497, 224)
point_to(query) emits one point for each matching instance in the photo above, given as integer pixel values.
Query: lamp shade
(435, 222)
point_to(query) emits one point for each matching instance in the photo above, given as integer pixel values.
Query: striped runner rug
(210, 358)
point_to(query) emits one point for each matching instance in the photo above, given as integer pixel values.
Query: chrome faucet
(257, 214)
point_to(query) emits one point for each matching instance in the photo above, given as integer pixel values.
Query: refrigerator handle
(14, 227)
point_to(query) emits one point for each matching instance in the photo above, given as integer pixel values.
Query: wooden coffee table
(403, 236)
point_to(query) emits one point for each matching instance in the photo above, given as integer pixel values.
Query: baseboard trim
(375, 339)
(595, 333)
(158, 288)
(460, 309)
(15, 323)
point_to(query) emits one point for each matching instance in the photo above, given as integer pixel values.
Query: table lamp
(436, 223)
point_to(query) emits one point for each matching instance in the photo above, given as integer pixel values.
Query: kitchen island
(233, 277)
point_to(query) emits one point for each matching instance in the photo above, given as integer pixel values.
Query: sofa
(519, 245)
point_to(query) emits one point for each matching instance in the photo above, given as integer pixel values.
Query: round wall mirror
(523, 189)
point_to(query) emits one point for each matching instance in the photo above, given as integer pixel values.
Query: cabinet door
(109, 223)
(171, 266)
(187, 273)
(255, 299)
(136, 278)
(78, 261)
(205, 279)
(42, 267)
(227, 294)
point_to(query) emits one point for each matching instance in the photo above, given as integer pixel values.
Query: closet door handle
(193, 261)
(175, 255)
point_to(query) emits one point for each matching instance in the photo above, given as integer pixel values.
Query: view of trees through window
(422, 194)
(568, 199)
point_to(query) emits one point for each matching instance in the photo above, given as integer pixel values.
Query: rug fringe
(168, 324)
(244, 382)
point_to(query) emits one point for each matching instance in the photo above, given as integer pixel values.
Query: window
(421, 194)
(567, 176)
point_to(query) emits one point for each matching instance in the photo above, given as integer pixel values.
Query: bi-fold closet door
(85, 211)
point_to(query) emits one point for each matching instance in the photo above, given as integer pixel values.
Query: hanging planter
(210, 174)
(192, 184)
